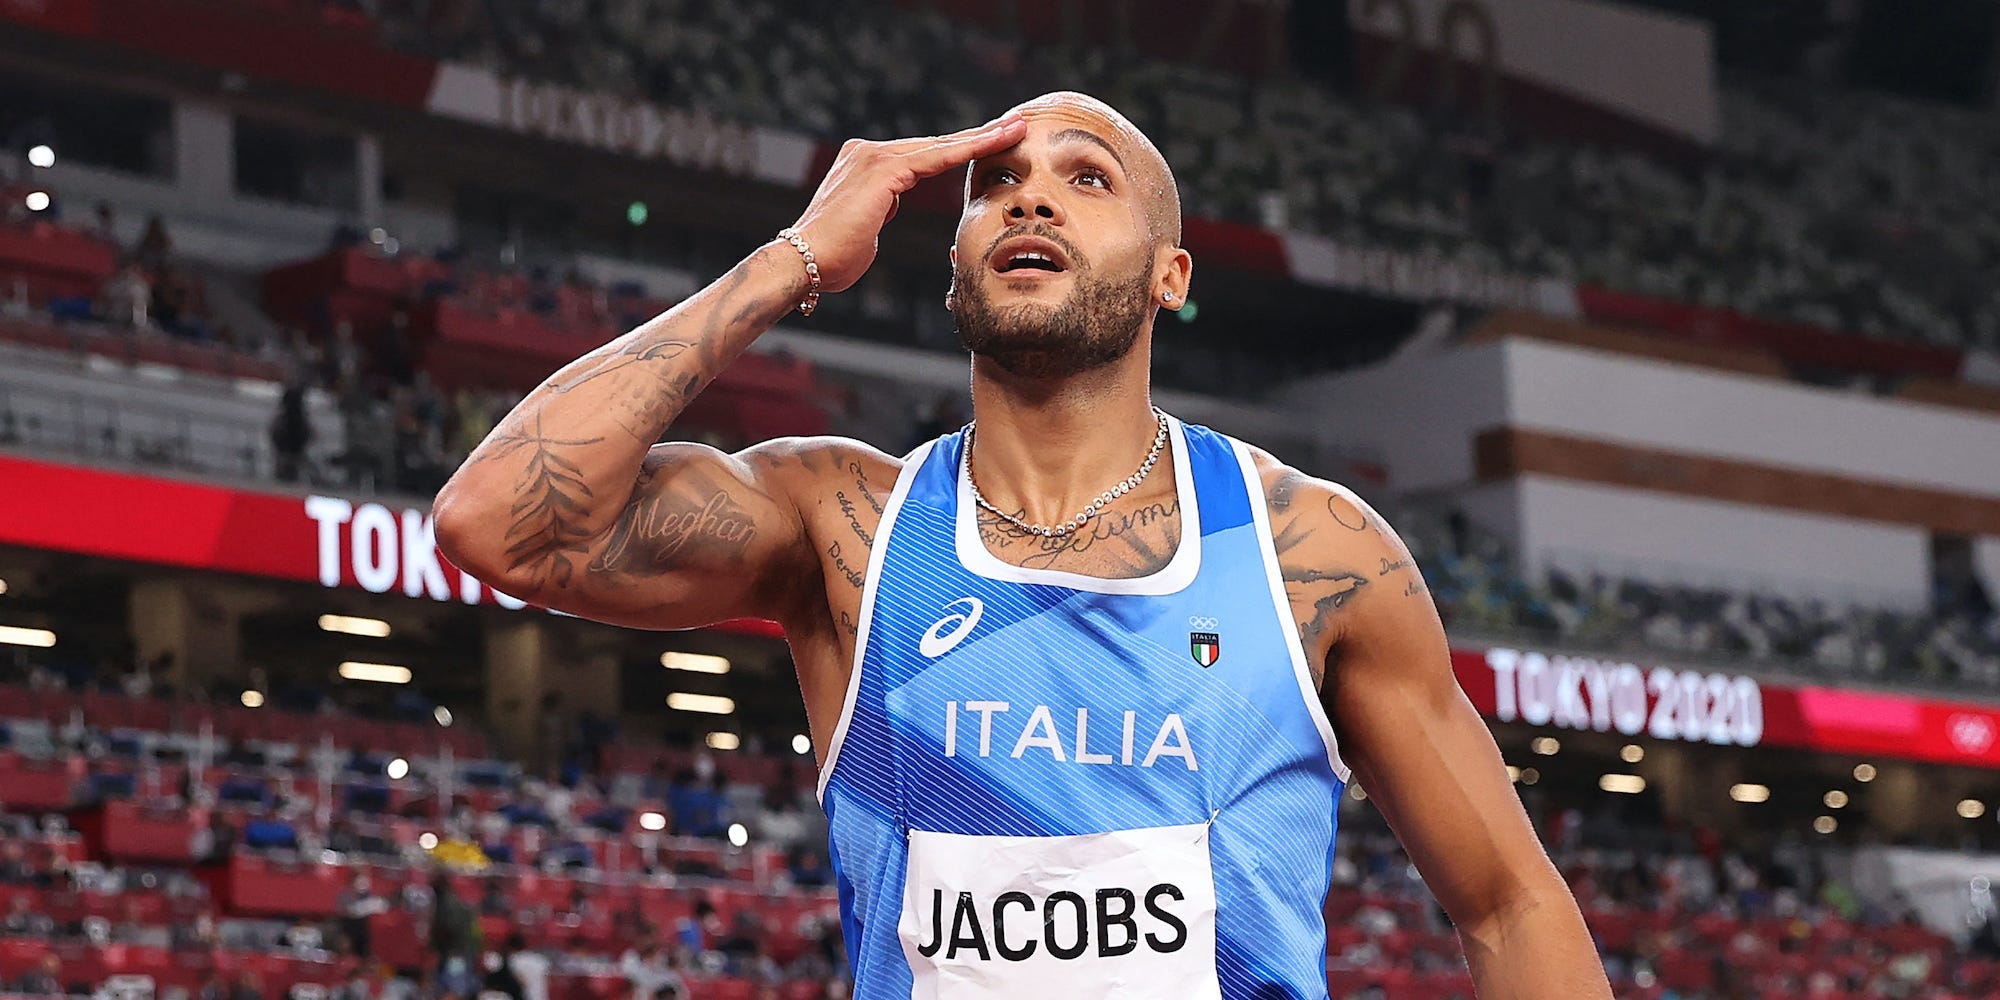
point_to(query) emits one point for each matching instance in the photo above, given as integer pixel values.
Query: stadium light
(1835, 799)
(1513, 773)
(802, 744)
(253, 699)
(713, 704)
(1748, 792)
(1623, 784)
(42, 156)
(442, 715)
(15, 636)
(1529, 776)
(3, 586)
(724, 741)
(397, 770)
(1632, 753)
(427, 840)
(373, 628)
(37, 201)
(1547, 746)
(636, 213)
(1971, 808)
(738, 835)
(381, 673)
(699, 663)
(652, 821)
(1825, 824)
(1864, 772)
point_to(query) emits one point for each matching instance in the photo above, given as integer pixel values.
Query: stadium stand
(253, 851)
(1844, 211)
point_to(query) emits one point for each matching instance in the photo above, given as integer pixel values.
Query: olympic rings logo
(1198, 621)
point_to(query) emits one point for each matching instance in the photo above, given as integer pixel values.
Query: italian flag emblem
(1205, 647)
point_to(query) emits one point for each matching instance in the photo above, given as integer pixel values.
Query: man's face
(1054, 263)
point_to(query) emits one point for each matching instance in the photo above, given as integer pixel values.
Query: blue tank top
(1049, 785)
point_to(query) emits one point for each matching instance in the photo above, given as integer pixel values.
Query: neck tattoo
(1091, 509)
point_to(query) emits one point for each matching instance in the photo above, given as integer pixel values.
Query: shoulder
(1338, 556)
(803, 466)
(1304, 503)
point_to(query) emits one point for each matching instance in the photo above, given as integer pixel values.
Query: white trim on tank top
(1260, 512)
(911, 463)
(1172, 578)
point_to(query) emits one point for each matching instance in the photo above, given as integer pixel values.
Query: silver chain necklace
(1091, 509)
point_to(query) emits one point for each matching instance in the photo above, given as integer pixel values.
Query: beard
(1096, 324)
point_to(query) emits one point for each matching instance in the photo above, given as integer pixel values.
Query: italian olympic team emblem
(1205, 647)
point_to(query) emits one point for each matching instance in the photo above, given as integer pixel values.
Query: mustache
(1044, 231)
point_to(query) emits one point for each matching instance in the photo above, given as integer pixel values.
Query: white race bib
(1127, 914)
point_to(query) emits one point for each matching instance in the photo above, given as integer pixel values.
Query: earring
(1167, 296)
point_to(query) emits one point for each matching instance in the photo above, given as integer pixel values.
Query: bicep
(1421, 751)
(704, 536)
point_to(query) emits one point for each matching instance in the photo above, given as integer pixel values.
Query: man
(978, 623)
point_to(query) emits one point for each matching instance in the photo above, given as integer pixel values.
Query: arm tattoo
(688, 523)
(1412, 586)
(644, 407)
(864, 487)
(853, 517)
(1138, 542)
(853, 575)
(1328, 592)
(548, 531)
(634, 353)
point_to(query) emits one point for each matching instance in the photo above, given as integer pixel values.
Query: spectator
(809, 867)
(493, 900)
(291, 432)
(343, 355)
(358, 904)
(126, 299)
(355, 987)
(698, 806)
(17, 304)
(22, 920)
(44, 979)
(501, 978)
(14, 866)
(454, 925)
(650, 973)
(530, 967)
(154, 245)
(104, 225)
(196, 935)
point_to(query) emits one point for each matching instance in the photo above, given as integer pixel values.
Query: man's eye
(1001, 175)
(1093, 176)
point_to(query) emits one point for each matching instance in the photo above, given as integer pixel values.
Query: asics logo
(952, 629)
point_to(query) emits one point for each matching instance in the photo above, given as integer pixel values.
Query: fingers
(933, 156)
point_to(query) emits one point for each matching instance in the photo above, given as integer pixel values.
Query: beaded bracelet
(798, 243)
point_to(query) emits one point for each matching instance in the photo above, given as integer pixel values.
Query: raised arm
(1418, 747)
(571, 504)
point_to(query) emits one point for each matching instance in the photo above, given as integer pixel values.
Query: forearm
(1537, 948)
(559, 467)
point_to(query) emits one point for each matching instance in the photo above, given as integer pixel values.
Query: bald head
(1153, 179)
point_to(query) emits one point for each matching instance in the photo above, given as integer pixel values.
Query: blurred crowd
(1773, 915)
(1846, 211)
(1479, 588)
